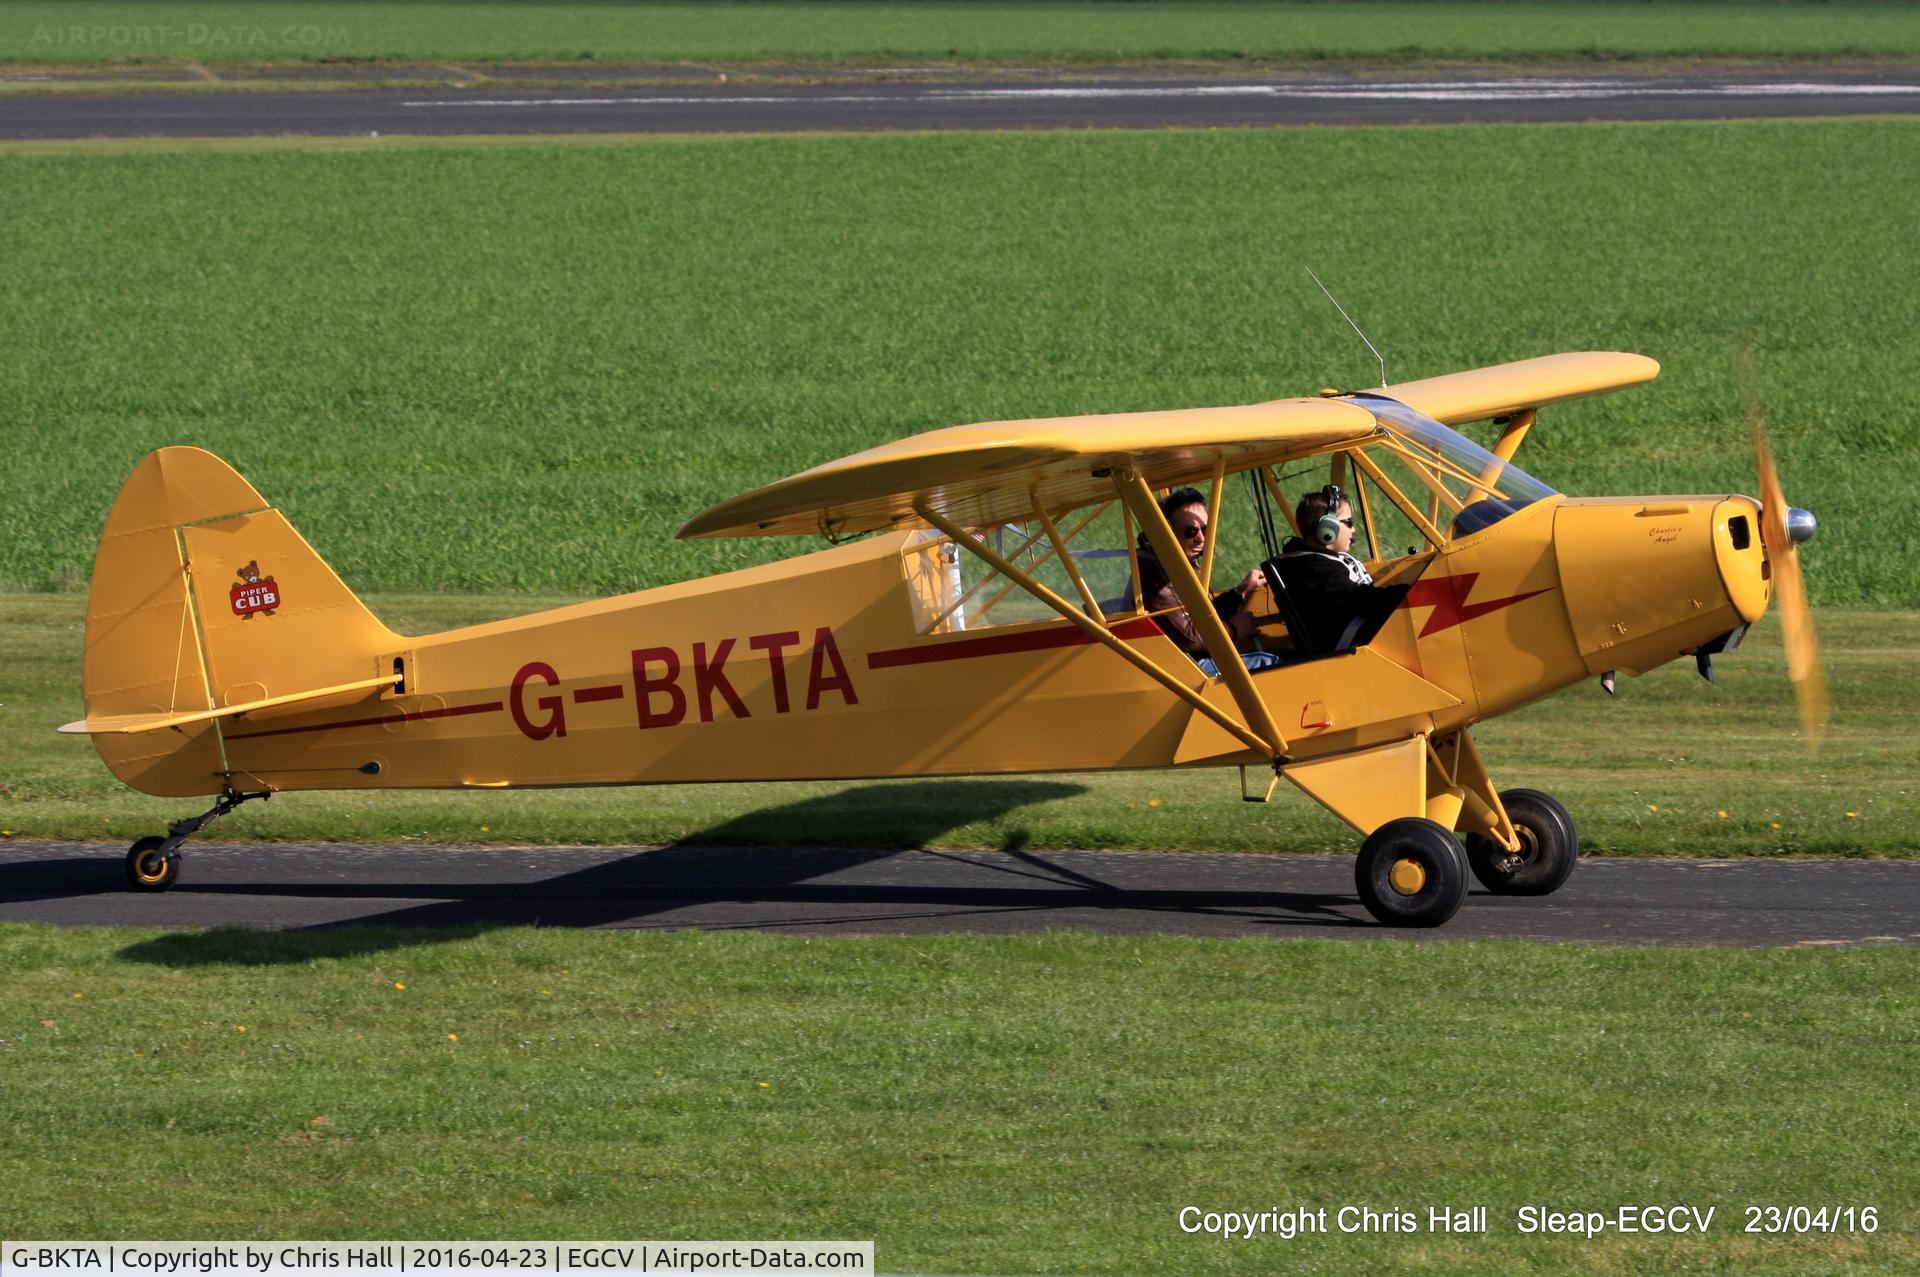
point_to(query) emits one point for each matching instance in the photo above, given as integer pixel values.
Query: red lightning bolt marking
(1447, 596)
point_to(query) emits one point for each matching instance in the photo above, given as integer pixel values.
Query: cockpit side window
(1380, 524)
(1382, 531)
(1461, 486)
(952, 589)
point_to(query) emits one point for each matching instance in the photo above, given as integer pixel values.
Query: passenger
(1186, 513)
(1332, 591)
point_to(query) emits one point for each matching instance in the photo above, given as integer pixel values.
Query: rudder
(205, 596)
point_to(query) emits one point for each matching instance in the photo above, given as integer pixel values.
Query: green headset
(1327, 529)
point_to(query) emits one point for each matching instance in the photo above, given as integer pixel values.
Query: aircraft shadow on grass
(719, 866)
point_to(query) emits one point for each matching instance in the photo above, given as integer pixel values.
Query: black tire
(147, 869)
(1549, 847)
(1432, 877)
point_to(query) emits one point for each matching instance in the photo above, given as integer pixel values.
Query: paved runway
(1098, 102)
(835, 892)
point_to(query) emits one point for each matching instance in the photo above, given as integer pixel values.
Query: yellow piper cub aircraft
(993, 624)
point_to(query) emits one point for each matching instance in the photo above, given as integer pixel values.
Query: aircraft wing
(997, 471)
(1504, 389)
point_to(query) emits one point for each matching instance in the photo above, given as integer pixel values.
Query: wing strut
(1186, 583)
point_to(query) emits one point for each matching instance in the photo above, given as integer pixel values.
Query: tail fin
(205, 598)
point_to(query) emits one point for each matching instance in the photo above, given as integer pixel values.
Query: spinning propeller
(1782, 529)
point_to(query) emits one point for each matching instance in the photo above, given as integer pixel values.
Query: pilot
(1186, 513)
(1330, 588)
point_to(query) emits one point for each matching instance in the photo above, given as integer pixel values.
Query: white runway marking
(1463, 91)
(1451, 91)
(656, 101)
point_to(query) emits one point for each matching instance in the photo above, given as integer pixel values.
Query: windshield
(1483, 488)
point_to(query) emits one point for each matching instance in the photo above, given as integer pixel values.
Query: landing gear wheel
(1411, 873)
(1549, 846)
(147, 869)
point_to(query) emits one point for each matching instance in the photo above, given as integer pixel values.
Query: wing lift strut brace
(1258, 731)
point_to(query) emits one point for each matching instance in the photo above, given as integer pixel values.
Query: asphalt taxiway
(1629, 901)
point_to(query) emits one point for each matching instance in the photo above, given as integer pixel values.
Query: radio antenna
(1349, 318)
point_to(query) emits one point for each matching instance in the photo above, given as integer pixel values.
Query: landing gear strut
(1549, 847)
(153, 862)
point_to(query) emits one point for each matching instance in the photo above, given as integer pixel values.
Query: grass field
(80, 31)
(974, 1105)
(1649, 772)
(519, 369)
(522, 368)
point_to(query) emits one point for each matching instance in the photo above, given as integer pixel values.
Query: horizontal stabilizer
(130, 724)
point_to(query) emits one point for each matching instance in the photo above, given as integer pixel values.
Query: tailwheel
(1411, 873)
(1549, 846)
(154, 862)
(148, 867)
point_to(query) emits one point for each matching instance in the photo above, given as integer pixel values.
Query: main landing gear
(1417, 799)
(153, 862)
(1549, 846)
(1412, 872)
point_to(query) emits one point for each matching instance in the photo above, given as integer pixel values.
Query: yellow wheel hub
(1409, 876)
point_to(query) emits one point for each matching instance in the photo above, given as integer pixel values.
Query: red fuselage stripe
(1002, 644)
(403, 716)
(960, 650)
